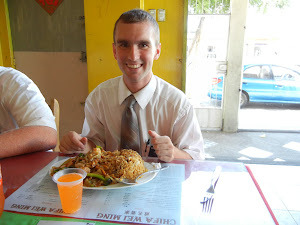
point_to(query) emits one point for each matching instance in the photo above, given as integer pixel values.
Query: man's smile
(134, 66)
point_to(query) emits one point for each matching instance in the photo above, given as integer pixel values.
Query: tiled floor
(281, 187)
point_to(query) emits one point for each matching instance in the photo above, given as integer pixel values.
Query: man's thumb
(84, 140)
(153, 134)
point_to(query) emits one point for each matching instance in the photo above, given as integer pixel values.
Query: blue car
(266, 83)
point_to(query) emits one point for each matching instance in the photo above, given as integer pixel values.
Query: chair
(55, 110)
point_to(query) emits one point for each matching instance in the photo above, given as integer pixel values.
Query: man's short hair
(138, 16)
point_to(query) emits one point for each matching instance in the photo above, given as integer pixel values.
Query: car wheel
(244, 99)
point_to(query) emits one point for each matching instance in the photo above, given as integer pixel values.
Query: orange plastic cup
(2, 197)
(70, 183)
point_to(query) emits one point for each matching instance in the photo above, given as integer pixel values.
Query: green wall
(33, 29)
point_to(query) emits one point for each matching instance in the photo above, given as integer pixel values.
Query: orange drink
(2, 198)
(70, 195)
(70, 183)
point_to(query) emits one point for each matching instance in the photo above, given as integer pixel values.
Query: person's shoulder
(110, 83)
(171, 97)
(105, 87)
(165, 88)
(11, 76)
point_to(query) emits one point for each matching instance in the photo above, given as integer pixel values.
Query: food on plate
(104, 167)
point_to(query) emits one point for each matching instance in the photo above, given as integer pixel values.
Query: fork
(207, 205)
(211, 190)
(134, 181)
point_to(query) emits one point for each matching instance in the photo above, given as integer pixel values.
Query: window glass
(265, 73)
(258, 72)
(281, 73)
(252, 72)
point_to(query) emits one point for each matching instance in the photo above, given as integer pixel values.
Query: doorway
(273, 43)
(207, 43)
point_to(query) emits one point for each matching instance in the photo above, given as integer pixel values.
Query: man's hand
(74, 143)
(163, 146)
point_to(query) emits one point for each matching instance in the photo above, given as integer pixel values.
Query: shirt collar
(142, 97)
(123, 91)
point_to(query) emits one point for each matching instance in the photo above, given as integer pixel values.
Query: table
(237, 199)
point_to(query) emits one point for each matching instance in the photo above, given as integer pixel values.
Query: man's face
(135, 50)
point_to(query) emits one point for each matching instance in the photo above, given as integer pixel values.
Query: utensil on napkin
(134, 181)
(213, 182)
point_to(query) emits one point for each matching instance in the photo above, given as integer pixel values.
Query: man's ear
(157, 51)
(114, 50)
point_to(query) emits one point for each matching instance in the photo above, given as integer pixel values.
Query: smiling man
(136, 45)
(163, 112)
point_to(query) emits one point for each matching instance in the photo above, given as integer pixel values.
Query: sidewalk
(270, 117)
(271, 148)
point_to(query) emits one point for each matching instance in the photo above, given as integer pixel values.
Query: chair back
(55, 110)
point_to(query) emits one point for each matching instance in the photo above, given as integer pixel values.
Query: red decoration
(49, 5)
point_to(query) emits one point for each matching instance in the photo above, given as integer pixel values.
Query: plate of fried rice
(105, 167)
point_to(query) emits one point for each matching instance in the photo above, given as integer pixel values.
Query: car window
(281, 73)
(252, 72)
(265, 73)
(258, 72)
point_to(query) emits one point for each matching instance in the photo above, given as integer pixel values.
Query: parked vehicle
(264, 83)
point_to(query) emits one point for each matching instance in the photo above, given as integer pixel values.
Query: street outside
(268, 134)
(270, 117)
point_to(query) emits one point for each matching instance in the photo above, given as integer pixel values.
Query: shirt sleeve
(187, 135)
(92, 128)
(26, 103)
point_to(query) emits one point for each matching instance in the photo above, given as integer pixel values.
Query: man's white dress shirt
(161, 107)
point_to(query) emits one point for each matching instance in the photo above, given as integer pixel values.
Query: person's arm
(27, 139)
(186, 141)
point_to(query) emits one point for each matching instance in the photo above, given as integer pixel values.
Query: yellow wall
(100, 17)
(6, 57)
(169, 65)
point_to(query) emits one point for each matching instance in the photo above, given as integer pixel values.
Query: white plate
(143, 180)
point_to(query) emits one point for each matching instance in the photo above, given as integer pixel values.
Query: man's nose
(134, 53)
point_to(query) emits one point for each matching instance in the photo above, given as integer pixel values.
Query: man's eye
(143, 45)
(123, 45)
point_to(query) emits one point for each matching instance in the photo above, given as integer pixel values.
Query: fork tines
(207, 205)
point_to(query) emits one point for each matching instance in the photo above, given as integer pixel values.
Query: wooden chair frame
(56, 111)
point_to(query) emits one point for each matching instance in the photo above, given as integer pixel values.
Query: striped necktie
(130, 135)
